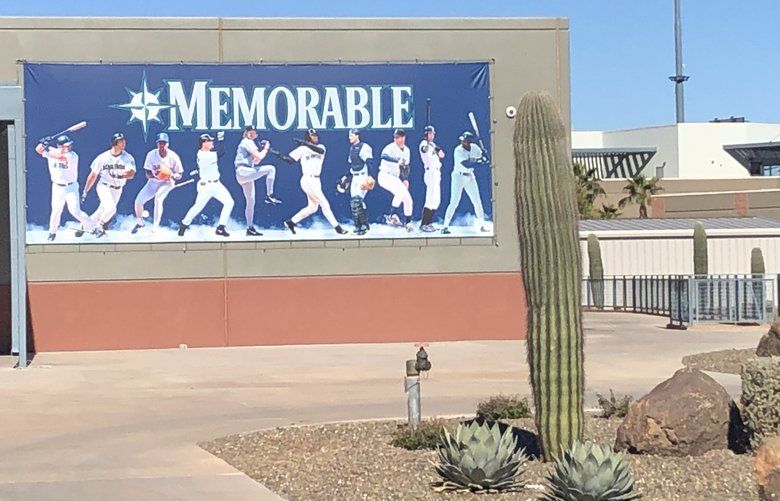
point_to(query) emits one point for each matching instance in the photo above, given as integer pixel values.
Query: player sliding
(63, 169)
(111, 170)
(248, 170)
(209, 185)
(311, 154)
(163, 167)
(466, 157)
(394, 165)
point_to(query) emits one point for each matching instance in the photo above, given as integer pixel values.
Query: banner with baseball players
(251, 152)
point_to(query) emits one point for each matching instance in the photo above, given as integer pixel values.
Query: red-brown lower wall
(275, 311)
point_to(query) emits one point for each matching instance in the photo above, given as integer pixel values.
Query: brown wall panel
(121, 315)
(376, 309)
(141, 314)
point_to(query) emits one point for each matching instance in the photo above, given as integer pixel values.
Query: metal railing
(685, 299)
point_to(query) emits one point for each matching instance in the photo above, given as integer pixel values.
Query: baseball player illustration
(431, 155)
(209, 185)
(163, 167)
(311, 154)
(466, 158)
(110, 171)
(358, 180)
(392, 169)
(63, 165)
(248, 170)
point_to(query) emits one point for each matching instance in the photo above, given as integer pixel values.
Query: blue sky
(622, 52)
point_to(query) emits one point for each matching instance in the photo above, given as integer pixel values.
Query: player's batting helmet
(64, 140)
(118, 136)
(429, 128)
(309, 133)
(205, 137)
(467, 136)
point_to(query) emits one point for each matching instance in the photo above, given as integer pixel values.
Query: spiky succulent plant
(591, 472)
(483, 456)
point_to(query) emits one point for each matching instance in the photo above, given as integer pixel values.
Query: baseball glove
(403, 170)
(368, 183)
(164, 173)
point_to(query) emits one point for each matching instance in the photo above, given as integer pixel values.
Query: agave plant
(591, 472)
(483, 456)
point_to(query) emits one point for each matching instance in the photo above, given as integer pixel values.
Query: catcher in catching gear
(163, 167)
(310, 153)
(360, 159)
(110, 170)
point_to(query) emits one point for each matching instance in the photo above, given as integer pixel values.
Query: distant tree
(588, 189)
(609, 212)
(640, 190)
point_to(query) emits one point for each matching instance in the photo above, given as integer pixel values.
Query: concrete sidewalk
(124, 425)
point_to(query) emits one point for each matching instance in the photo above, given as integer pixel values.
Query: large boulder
(769, 344)
(768, 469)
(687, 414)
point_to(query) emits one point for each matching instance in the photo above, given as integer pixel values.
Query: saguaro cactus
(699, 250)
(550, 254)
(757, 270)
(595, 271)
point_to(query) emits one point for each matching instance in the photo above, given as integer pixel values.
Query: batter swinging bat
(474, 126)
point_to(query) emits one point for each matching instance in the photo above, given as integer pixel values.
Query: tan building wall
(526, 54)
(700, 198)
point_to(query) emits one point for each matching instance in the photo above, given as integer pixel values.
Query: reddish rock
(769, 344)
(687, 414)
(768, 469)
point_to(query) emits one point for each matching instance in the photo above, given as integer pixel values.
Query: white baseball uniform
(432, 176)
(155, 188)
(209, 187)
(463, 179)
(389, 172)
(311, 167)
(111, 170)
(63, 170)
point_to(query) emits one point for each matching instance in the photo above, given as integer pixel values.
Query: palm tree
(639, 191)
(588, 190)
(609, 212)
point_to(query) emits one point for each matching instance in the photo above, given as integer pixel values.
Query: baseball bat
(177, 185)
(428, 112)
(474, 126)
(72, 128)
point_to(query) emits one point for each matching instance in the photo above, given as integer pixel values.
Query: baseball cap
(249, 128)
(399, 133)
(205, 137)
(162, 137)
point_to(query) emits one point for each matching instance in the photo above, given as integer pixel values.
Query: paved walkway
(124, 425)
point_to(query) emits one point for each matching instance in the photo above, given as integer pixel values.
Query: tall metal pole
(678, 78)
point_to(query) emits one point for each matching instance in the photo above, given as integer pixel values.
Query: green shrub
(612, 406)
(426, 436)
(761, 398)
(504, 407)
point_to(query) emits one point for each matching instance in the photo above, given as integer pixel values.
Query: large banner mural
(211, 153)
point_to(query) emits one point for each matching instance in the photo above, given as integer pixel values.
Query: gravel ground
(354, 461)
(728, 361)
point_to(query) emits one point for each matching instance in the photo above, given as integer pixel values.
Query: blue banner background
(59, 95)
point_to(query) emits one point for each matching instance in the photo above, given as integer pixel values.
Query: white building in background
(686, 150)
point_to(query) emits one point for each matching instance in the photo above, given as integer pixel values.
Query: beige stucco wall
(527, 54)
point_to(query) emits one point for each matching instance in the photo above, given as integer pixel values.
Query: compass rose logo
(144, 106)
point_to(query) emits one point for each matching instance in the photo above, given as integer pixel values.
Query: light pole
(678, 78)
